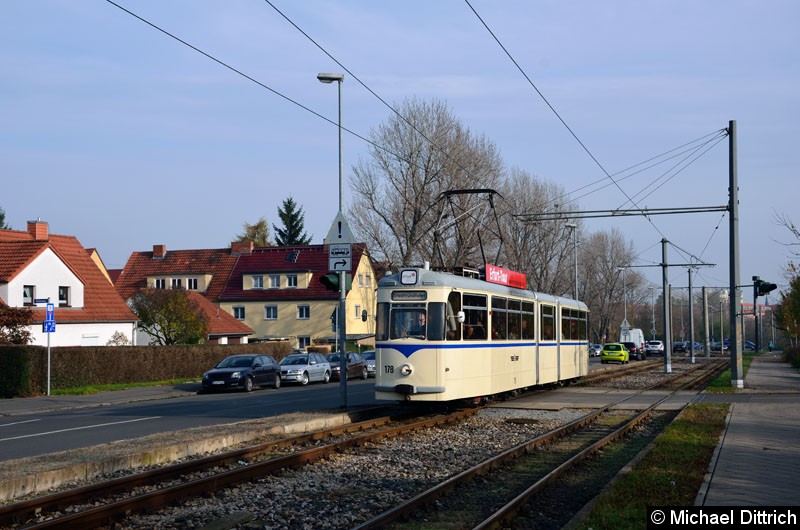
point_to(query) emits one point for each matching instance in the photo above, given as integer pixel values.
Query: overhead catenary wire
(563, 122)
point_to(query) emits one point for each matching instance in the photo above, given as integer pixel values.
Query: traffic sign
(49, 326)
(339, 264)
(38, 301)
(340, 256)
(50, 312)
(339, 232)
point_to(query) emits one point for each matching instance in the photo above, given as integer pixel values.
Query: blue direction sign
(50, 312)
(49, 326)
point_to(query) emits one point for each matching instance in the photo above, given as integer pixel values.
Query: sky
(118, 134)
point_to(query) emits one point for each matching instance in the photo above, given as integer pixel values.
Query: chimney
(159, 251)
(38, 229)
(241, 247)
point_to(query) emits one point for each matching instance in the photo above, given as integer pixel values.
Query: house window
(275, 281)
(369, 279)
(177, 283)
(303, 312)
(63, 296)
(303, 342)
(191, 284)
(270, 312)
(238, 312)
(160, 283)
(360, 280)
(291, 280)
(258, 282)
(358, 311)
(27, 294)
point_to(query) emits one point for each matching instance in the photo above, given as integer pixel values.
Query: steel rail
(430, 495)
(203, 486)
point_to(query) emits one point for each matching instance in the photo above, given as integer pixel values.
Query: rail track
(493, 493)
(102, 504)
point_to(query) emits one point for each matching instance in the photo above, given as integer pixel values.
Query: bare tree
(604, 254)
(543, 250)
(396, 190)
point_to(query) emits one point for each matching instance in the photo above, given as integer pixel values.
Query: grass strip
(94, 389)
(671, 473)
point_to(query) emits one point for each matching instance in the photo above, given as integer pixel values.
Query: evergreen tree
(293, 232)
(3, 225)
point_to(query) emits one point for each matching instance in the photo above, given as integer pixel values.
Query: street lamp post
(624, 295)
(574, 228)
(330, 78)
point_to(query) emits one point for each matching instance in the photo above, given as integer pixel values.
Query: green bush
(14, 371)
(791, 355)
(23, 369)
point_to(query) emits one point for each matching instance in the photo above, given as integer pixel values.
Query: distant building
(275, 291)
(36, 266)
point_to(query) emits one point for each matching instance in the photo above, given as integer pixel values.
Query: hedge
(23, 369)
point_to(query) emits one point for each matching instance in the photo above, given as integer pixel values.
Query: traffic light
(765, 287)
(331, 281)
(761, 287)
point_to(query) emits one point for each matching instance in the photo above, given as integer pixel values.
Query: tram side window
(436, 322)
(499, 318)
(452, 325)
(548, 314)
(573, 324)
(528, 321)
(514, 319)
(475, 312)
(382, 322)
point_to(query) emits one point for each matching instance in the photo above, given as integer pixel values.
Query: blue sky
(119, 135)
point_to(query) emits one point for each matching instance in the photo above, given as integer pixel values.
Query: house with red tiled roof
(37, 267)
(201, 273)
(275, 291)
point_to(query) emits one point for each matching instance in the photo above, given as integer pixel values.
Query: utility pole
(737, 370)
(691, 318)
(665, 304)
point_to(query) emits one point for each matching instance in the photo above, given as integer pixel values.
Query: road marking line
(19, 422)
(77, 428)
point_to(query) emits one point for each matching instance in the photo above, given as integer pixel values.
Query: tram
(473, 334)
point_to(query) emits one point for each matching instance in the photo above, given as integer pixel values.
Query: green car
(614, 351)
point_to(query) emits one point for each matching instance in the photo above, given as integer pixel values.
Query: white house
(38, 267)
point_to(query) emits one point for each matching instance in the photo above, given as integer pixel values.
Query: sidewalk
(41, 404)
(758, 460)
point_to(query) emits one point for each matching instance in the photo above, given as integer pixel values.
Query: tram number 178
(388, 369)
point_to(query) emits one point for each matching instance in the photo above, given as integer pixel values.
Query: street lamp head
(330, 78)
(570, 225)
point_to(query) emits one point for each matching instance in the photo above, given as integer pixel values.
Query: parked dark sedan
(635, 351)
(356, 365)
(244, 372)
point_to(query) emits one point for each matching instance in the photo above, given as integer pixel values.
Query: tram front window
(417, 322)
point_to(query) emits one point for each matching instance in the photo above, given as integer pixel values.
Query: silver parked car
(369, 356)
(305, 367)
(652, 347)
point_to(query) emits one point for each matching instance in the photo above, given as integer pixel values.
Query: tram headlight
(406, 370)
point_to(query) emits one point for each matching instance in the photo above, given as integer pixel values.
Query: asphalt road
(26, 435)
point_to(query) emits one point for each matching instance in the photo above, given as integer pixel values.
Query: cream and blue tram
(441, 336)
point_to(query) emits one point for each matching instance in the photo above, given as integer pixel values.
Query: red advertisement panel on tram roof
(495, 274)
